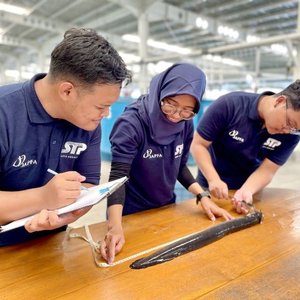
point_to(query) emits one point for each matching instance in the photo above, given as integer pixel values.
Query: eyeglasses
(170, 109)
(292, 130)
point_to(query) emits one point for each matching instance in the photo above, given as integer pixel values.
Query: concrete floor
(286, 177)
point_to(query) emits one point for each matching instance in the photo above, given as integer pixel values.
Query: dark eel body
(197, 240)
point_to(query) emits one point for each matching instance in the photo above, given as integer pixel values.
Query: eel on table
(198, 240)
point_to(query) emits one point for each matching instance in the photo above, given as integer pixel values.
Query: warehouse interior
(246, 44)
(238, 237)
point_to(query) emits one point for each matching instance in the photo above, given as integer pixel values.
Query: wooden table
(261, 262)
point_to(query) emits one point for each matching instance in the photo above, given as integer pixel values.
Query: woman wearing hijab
(150, 144)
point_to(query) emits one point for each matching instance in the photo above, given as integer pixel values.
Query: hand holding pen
(55, 173)
(62, 189)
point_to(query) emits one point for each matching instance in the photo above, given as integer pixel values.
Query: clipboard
(88, 197)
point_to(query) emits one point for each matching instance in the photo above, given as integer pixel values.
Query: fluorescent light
(129, 58)
(157, 44)
(18, 10)
(223, 60)
(232, 62)
(228, 31)
(201, 23)
(279, 49)
(131, 38)
(252, 38)
(249, 78)
(168, 47)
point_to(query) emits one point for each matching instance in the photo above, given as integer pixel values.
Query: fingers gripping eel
(198, 240)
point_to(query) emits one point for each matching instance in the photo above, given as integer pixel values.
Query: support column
(19, 68)
(41, 62)
(257, 70)
(296, 70)
(143, 30)
(2, 77)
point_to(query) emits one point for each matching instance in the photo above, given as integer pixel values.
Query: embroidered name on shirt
(21, 162)
(179, 150)
(234, 135)
(150, 155)
(271, 143)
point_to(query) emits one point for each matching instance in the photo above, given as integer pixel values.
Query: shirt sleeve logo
(271, 143)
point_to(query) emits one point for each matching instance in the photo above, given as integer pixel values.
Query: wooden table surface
(261, 262)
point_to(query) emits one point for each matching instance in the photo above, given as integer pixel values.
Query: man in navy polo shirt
(243, 139)
(52, 121)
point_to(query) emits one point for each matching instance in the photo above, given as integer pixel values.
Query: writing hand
(62, 189)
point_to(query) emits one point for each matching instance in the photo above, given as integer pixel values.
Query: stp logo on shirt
(271, 143)
(178, 151)
(73, 148)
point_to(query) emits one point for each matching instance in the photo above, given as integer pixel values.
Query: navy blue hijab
(179, 79)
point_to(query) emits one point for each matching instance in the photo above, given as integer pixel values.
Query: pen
(55, 173)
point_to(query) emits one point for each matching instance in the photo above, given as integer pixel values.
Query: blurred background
(240, 44)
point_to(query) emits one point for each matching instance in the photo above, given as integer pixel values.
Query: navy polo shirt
(239, 143)
(154, 167)
(31, 141)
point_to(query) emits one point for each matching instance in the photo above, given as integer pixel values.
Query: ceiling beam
(227, 48)
(255, 10)
(16, 42)
(265, 41)
(34, 22)
(117, 14)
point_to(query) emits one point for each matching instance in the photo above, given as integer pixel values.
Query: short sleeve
(214, 120)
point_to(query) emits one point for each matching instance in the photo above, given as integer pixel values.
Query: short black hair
(87, 58)
(292, 92)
